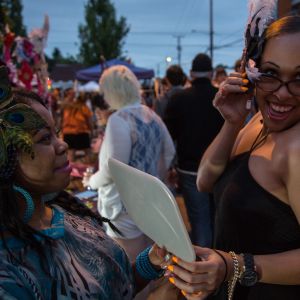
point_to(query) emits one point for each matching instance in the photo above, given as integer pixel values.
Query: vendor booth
(93, 73)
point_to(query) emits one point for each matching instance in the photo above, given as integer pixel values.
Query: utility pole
(158, 70)
(179, 47)
(211, 30)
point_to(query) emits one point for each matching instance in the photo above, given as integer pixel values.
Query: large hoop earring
(29, 203)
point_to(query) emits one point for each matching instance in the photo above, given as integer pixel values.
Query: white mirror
(153, 208)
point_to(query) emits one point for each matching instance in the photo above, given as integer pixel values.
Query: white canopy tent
(90, 86)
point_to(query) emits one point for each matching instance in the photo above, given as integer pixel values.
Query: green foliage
(59, 58)
(102, 34)
(11, 14)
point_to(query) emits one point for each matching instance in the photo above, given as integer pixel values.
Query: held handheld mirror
(153, 208)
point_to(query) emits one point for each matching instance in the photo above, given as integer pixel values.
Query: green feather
(16, 122)
(23, 116)
(20, 139)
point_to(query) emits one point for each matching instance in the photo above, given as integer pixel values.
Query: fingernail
(171, 268)
(183, 292)
(172, 280)
(244, 88)
(175, 259)
(245, 81)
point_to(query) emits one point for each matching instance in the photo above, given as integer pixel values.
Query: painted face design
(49, 170)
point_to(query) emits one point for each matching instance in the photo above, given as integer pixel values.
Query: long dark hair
(285, 25)
(10, 219)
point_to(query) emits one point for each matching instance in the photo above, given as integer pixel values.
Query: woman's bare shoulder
(247, 135)
(288, 141)
(286, 150)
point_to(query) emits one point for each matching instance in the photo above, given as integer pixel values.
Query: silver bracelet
(236, 273)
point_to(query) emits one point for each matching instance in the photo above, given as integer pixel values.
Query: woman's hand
(198, 279)
(172, 178)
(232, 97)
(157, 256)
(86, 179)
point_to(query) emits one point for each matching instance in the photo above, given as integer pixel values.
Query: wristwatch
(248, 275)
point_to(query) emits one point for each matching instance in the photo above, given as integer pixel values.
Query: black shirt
(193, 122)
(251, 220)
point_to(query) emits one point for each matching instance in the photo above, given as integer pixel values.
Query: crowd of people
(236, 166)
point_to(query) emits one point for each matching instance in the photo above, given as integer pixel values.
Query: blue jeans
(199, 210)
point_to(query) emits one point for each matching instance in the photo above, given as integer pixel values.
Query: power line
(186, 8)
(194, 31)
(229, 44)
(240, 31)
(190, 9)
(163, 45)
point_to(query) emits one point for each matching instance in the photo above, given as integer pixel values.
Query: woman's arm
(199, 279)
(231, 103)
(168, 149)
(89, 117)
(116, 144)
(291, 177)
(282, 268)
(216, 157)
(156, 260)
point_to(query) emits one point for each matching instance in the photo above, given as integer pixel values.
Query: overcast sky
(154, 27)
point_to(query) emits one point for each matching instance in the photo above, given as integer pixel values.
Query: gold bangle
(236, 273)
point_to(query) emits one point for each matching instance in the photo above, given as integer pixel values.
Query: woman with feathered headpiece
(253, 171)
(51, 245)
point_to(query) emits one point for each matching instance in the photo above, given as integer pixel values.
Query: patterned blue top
(146, 130)
(82, 263)
(135, 135)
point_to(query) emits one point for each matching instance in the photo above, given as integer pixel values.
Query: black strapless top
(250, 219)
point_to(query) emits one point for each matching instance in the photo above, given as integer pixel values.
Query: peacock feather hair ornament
(261, 14)
(17, 122)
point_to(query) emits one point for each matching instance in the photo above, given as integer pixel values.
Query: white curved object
(153, 208)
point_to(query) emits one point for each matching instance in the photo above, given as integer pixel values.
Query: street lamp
(168, 60)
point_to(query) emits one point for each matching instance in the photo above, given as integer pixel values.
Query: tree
(102, 34)
(59, 58)
(56, 55)
(11, 14)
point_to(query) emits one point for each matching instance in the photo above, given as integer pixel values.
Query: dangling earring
(29, 203)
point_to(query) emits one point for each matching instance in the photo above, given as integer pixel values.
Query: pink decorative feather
(267, 12)
(261, 14)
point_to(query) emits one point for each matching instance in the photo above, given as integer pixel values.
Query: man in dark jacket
(193, 123)
(175, 79)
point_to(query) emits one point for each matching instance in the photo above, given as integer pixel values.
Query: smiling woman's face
(281, 58)
(50, 170)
